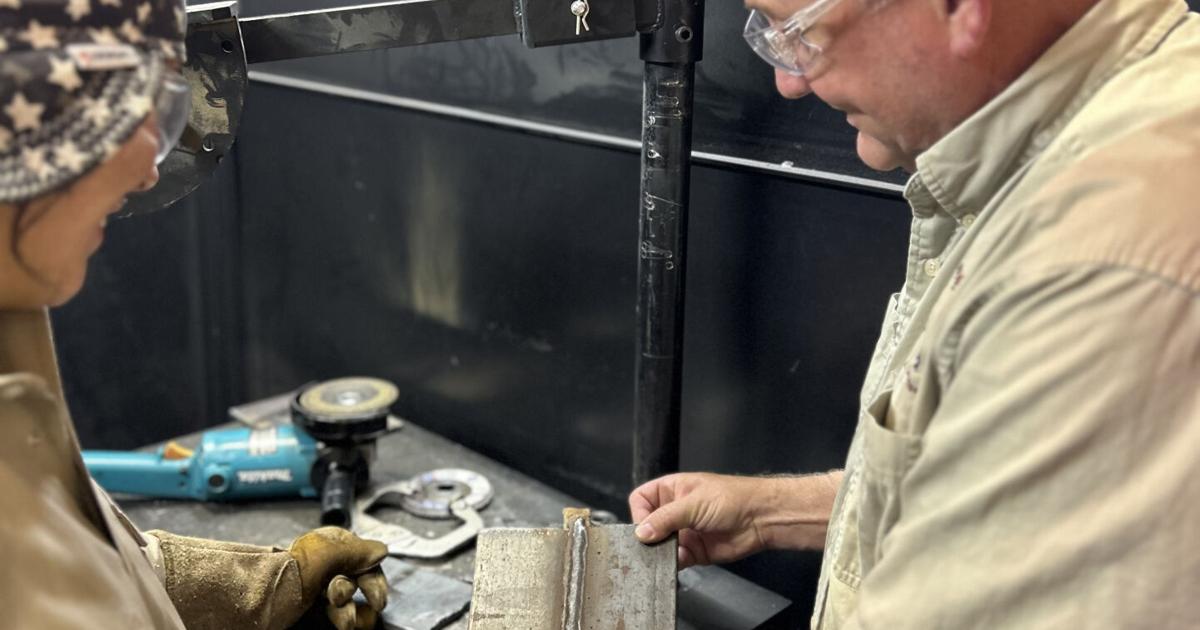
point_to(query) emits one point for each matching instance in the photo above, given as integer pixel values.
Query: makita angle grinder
(324, 452)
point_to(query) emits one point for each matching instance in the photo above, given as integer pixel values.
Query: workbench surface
(519, 502)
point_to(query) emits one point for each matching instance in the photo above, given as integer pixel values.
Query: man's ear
(968, 21)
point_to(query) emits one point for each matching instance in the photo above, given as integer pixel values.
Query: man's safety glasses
(783, 44)
(172, 107)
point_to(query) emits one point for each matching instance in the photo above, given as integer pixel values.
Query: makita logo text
(272, 475)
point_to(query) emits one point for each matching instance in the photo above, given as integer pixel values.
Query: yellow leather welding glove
(218, 585)
(343, 563)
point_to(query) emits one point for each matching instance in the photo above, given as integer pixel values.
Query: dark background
(489, 272)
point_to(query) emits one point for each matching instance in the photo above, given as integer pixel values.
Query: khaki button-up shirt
(1028, 448)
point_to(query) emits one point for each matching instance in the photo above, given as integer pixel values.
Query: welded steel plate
(581, 577)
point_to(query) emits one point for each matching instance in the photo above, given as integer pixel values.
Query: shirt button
(931, 267)
(968, 220)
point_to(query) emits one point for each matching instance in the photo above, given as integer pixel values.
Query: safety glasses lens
(769, 43)
(783, 48)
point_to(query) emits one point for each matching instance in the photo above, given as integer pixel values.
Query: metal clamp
(452, 493)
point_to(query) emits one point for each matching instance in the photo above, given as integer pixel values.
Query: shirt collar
(965, 169)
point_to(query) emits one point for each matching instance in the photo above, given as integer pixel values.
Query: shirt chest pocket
(887, 456)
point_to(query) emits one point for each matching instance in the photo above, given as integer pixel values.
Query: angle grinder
(345, 416)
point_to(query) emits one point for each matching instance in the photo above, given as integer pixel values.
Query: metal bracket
(552, 22)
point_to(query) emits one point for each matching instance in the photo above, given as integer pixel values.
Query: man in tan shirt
(1027, 452)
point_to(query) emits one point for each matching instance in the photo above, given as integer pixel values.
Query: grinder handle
(337, 497)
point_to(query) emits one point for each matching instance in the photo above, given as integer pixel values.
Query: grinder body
(227, 465)
(325, 452)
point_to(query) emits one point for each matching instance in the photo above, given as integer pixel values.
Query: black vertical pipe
(670, 53)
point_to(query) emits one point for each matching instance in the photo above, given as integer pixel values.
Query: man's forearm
(796, 510)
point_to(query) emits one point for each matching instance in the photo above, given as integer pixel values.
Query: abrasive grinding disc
(352, 397)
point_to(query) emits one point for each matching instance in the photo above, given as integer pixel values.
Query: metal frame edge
(566, 133)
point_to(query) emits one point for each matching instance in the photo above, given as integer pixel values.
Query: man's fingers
(650, 496)
(685, 558)
(665, 521)
(639, 507)
(692, 549)
(374, 585)
(342, 617)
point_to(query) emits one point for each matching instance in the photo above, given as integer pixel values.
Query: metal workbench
(717, 598)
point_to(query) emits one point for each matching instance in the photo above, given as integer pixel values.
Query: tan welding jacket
(70, 559)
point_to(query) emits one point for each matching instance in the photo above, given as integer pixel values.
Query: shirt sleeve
(1058, 482)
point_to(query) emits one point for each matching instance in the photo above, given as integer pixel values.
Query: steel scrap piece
(419, 599)
(581, 577)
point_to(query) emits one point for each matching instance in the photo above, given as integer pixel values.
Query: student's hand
(217, 585)
(333, 565)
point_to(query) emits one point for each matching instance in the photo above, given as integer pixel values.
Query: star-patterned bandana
(77, 77)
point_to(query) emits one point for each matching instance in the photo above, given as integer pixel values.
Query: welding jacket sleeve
(216, 584)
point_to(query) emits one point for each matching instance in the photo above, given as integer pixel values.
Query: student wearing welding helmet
(91, 100)
(1027, 447)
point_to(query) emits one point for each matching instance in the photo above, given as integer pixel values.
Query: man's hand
(714, 515)
(722, 518)
(335, 563)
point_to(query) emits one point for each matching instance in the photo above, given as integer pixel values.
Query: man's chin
(876, 155)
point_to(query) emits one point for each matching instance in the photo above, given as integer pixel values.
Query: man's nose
(790, 85)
